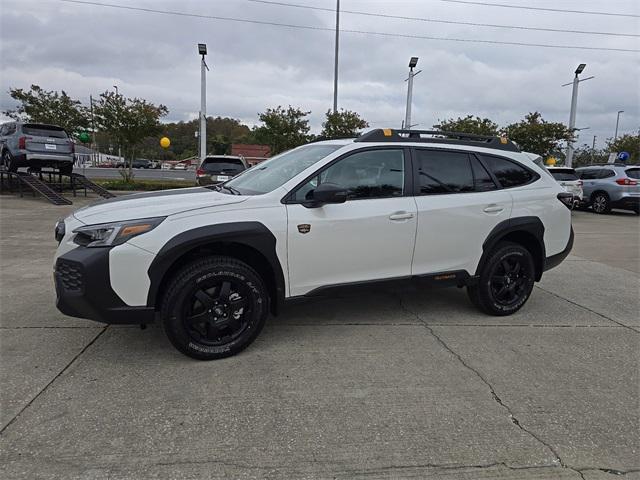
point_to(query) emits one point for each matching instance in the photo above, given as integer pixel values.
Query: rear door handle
(401, 216)
(493, 209)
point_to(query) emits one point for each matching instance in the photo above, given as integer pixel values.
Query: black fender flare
(249, 234)
(530, 225)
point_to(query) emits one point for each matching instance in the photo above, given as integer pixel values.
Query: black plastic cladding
(250, 234)
(452, 138)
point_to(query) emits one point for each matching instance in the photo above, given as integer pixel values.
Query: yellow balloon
(551, 161)
(165, 142)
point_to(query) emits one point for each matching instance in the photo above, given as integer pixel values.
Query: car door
(369, 237)
(458, 203)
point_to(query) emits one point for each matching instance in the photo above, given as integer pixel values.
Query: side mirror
(326, 193)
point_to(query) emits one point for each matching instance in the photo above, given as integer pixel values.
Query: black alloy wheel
(214, 307)
(509, 280)
(505, 281)
(217, 312)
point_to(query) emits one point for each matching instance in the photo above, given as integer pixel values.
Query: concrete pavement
(375, 383)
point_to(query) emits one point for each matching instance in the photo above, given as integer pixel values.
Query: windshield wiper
(233, 191)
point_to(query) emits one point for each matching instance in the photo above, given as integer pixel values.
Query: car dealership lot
(378, 383)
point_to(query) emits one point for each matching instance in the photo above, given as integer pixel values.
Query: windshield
(275, 172)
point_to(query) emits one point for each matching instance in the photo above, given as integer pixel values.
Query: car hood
(153, 204)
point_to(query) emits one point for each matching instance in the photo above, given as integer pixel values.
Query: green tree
(342, 124)
(128, 121)
(282, 128)
(42, 106)
(468, 124)
(534, 134)
(626, 143)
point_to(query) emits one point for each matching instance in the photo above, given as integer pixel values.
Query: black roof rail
(437, 136)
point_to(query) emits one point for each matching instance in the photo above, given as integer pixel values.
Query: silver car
(613, 185)
(35, 145)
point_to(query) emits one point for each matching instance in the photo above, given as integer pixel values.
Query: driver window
(368, 174)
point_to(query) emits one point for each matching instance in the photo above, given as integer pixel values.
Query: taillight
(22, 143)
(200, 172)
(567, 199)
(626, 181)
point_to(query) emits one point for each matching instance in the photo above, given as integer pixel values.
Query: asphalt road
(140, 173)
(376, 383)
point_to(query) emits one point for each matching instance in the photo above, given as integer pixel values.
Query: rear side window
(44, 131)
(567, 175)
(589, 174)
(508, 173)
(606, 173)
(444, 172)
(482, 179)
(633, 173)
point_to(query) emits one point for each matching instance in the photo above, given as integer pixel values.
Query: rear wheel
(506, 280)
(8, 162)
(214, 307)
(600, 203)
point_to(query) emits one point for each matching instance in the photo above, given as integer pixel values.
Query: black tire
(214, 307)
(506, 280)
(600, 203)
(66, 169)
(8, 162)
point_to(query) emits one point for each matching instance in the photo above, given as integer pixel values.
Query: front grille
(70, 275)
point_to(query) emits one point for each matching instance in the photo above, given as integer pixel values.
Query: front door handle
(401, 216)
(493, 208)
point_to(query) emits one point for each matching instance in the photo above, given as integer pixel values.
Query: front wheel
(214, 307)
(506, 280)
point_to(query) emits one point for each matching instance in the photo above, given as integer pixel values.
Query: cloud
(88, 49)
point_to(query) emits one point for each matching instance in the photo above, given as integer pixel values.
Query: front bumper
(83, 289)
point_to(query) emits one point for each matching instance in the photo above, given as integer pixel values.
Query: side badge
(304, 228)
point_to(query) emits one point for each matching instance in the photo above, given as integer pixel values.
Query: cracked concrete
(381, 382)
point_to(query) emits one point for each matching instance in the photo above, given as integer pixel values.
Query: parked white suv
(212, 262)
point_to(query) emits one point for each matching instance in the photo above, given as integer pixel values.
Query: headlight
(116, 233)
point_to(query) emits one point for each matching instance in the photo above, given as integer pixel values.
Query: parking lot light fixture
(407, 117)
(580, 68)
(574, 107)
(202, 50)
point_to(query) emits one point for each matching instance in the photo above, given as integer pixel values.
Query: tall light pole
(593, 148)
(407, 116)
(615, 137)
(202, 50)
(335, 61)
(574, 106)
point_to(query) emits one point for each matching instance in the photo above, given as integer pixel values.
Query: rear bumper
(83, 289)
(555, 260)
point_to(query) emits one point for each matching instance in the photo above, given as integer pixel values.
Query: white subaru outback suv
(212, 262)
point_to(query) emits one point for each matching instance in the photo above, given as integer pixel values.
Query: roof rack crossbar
(437, 136)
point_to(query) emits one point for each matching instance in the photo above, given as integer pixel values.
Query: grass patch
(142, 185)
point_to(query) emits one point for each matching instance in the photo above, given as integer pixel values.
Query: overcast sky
(86, 49)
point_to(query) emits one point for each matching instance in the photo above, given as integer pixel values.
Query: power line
(326, 29)
(586, 12)
(449, 22)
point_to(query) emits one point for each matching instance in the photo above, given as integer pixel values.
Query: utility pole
(335, 61)
(615, 137)
(407, 117)
(574, 107)
(593, 148)
(118, 117)
(202, 50)
(95, 155)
